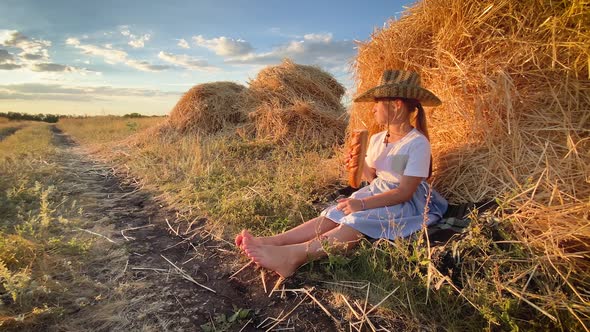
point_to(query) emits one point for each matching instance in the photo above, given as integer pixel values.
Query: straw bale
(290, 102)
(514, 80)
(513, 77)
(208, 108)
(301, 121)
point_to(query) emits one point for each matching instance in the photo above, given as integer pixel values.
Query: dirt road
(158, 274)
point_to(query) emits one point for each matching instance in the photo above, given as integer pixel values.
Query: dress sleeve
(371, 151)
(418, 159)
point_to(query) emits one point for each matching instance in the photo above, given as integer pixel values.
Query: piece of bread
(358, 150)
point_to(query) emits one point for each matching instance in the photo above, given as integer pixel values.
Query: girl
(395, 202)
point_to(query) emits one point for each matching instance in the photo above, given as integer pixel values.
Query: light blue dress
(407, 157)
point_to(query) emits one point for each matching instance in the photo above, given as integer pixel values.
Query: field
(84, 249)
(127, 223)
(94, 218)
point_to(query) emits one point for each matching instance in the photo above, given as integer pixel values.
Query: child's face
(392, 108)
(380, 111)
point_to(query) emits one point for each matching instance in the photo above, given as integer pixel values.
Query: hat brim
(425, 97)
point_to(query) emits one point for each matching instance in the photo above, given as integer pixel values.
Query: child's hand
(349, 205)
(347, 160)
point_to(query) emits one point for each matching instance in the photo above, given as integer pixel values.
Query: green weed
(222, 322)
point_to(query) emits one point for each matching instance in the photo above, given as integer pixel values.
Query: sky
(120, 57)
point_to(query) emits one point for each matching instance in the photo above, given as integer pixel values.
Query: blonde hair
(420, 118)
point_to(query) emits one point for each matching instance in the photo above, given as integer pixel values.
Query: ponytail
(421, 125)
(421, 121)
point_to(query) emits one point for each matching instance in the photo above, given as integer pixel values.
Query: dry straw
(208, 108)
(514, 80)
(295, 102)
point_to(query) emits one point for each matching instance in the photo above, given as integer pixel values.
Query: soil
(146, 229)
(9, 131)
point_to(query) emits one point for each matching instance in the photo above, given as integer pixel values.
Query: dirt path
(146, 291)
(7, 131)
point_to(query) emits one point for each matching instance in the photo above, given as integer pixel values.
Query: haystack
(514, 124)
(295, 102)
(208, 108)
(513, 78)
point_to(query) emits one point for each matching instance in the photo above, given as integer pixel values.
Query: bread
(358, 151)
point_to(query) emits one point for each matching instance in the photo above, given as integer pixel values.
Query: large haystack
(513, 77)
(514, 124)
(208, 108)
(295, 102)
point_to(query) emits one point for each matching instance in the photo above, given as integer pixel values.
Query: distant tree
(52, 118)
(133, 115)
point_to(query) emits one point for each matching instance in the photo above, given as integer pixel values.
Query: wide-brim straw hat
(400, 84)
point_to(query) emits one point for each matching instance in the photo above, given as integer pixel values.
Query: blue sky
(117, 57)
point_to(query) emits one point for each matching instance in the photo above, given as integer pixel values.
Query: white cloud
(224, 46)
(5, 56)
(186, 61)
(135, 41)
(113, 56)
(34, 54)
(145, 66)
(314, 48)
(319, 49)
(31, 57)
(9, 66)
(7, 61)
(183, 43)
(318, 37)
(38, 91)
(13, 38)
(140, 42)
(108, 54)
(51, 67)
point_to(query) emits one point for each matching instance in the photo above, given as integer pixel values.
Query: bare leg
(302, 233)
(285, 259)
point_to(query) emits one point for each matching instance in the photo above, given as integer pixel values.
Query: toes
(246, 235)
(254, 255)
(238, 240)
(247, 240)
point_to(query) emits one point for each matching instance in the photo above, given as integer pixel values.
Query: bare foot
(239, 240)
(281, 259)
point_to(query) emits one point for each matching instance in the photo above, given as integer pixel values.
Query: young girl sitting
(396, 202)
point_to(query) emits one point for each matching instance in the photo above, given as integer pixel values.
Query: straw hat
(402, 84)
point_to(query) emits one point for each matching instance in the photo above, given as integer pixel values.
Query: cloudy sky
(118, 57)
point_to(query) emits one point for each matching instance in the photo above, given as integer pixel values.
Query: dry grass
(235, 182)
(514, 125)
(58, 271)
(103, 129)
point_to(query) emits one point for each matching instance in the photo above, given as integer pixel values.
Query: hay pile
(513, 78)
(514, 124)
(290, 102)
(284, 103)
(208, 108)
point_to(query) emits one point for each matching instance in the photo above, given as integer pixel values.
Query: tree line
(52, 118)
